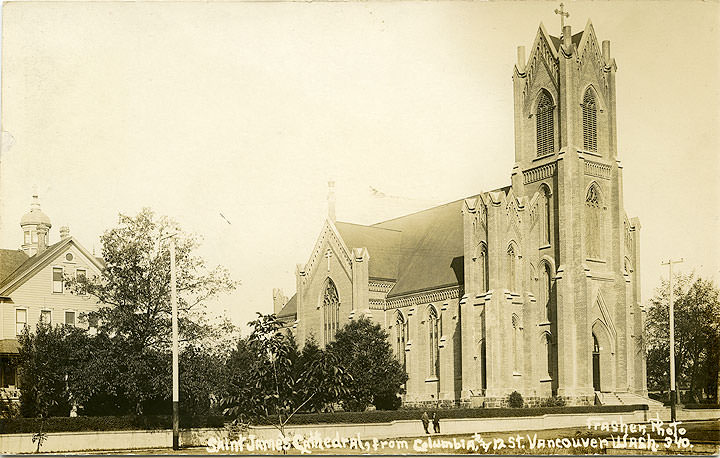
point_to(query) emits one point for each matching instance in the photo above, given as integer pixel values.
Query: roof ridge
(368, 226)
(423, 210)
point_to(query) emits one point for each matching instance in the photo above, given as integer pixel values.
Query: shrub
(553, 401)
(515, 400)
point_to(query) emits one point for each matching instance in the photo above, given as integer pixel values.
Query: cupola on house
(533, 287)
(32, 287)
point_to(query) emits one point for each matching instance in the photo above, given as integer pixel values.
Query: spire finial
(563, 14)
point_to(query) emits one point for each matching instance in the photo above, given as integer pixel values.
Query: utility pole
(673, 395)
(175, 351)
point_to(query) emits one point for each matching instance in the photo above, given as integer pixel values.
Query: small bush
(554, 401)
(515, 400)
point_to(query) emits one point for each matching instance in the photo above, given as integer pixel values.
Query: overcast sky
(247, 109)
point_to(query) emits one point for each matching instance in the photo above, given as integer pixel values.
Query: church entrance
(596, 364)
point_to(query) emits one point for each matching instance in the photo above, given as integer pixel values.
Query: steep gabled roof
(431, 252)
(420, 251)
(382, 244)
(10, 260)
(289, 309)
(37, 261)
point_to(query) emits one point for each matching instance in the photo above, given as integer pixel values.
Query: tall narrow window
(80, 276)
(589, 110)
(481, 268)
(545, 124)
(331, 311)
(593, 222)
(516, 343)
(547, 360)
(512, 268)
(57, 277)
(400, 332)
(434, 352)
(546, 289)
(545, 223)
(20, 320)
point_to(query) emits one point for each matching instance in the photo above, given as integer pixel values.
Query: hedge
(147, 422)
(385, 416)
(69, 424)
(701, 406)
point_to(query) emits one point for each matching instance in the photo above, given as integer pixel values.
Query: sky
(247, 109)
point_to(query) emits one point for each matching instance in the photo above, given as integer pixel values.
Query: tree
(268, 382)
(134, 286)
(48, 359)
(134, 317)
(697, 336)
(378, 377)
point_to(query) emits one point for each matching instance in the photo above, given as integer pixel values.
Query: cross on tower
(563, 14)
(328, 255)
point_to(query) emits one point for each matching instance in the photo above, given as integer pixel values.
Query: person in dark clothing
(425, 421)
(436, 422)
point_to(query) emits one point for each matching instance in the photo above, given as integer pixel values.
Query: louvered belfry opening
(545, 128)
(589, 107)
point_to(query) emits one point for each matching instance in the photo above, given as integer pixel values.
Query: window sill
(591, 153)
(544, 247)
(545, 380)
(517, 374)
(602, 261)
(544, 156)
(544, 323)
(432, 379)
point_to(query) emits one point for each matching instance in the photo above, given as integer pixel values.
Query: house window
(70, 318)
(20, 320)
(81, 276)
(57, 280)
(434, 352)
(8, 373)
(46, 316)
(331, 312)
(545, 125)
(589, 111)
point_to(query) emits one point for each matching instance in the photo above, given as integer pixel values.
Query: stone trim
(538, 173)
(377, 304)
(597, 169)
(424, 297)
(380, 286)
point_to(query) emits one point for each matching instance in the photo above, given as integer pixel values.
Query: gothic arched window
(434, 352)
(593, 222)
(545, 124)
(547, 360)
(545, 215)
(546, 292)
(512, 268)
(589, 111)
(481, 267)
(331, 311)
(400, 332)
(516, 343)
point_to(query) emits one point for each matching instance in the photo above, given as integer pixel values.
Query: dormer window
(544, 121)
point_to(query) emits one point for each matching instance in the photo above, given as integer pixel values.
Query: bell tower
(566, 156)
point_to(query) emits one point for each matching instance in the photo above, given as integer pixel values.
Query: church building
(533, 287)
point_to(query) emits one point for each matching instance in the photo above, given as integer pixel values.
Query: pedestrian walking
(425, 421)
(436, 422)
